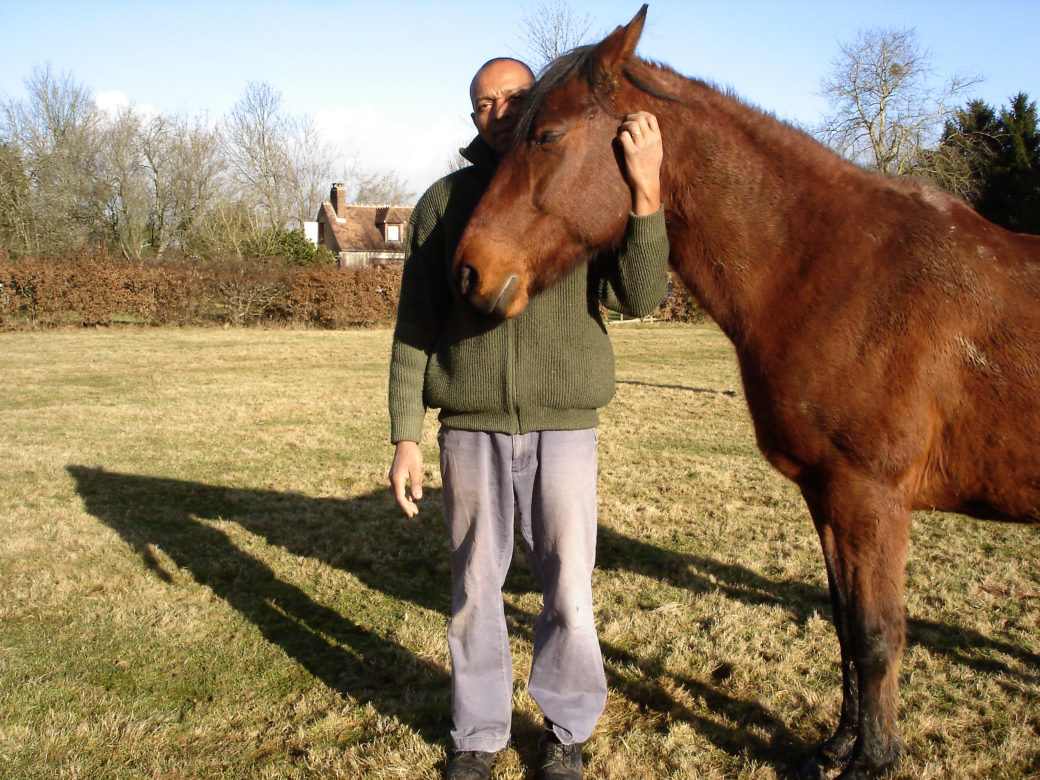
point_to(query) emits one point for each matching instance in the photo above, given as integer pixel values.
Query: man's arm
(408, 358)
(635, 282)
(415, 333)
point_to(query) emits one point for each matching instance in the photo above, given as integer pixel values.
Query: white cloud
(419, 149)
(113, 101)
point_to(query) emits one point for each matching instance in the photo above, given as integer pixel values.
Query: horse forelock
(582, 62)
(555, 75)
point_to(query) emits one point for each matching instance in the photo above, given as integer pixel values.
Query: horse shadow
(660, 386)
(801, 600)
(167, 515)
(407, 560)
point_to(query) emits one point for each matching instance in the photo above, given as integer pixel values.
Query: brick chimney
(338, 198)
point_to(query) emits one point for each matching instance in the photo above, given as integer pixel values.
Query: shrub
(34, 292)
(330, 298)
(246, 293)
(678, 305)
(297, 250)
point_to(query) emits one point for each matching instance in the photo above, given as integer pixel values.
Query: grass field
(202, 575)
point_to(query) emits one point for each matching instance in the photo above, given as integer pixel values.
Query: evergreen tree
(993, 160)
(966, 151)
(1011, 195)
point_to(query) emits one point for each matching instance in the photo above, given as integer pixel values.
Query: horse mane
(582, 61)
(654, 79)
(665, 84)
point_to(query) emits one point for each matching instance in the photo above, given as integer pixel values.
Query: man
(518, 402)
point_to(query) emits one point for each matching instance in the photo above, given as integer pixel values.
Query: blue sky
(387, 81)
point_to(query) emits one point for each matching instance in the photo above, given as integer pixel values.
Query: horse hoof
(859, 772)
(819, 768)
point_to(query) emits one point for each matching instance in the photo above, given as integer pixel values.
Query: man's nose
(506, 108)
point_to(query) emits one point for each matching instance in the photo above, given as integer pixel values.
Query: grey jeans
(550, 478)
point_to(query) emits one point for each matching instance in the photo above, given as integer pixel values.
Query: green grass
(203, 576)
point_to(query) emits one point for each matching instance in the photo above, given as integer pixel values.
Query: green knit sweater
(551, 367)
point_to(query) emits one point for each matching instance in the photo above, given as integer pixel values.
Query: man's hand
(640, 139)
(407, 469)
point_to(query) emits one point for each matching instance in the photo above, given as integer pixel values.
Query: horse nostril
(505, 298)
(467, 279)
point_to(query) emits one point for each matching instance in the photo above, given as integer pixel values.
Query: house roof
(361, 228)
(397, 215)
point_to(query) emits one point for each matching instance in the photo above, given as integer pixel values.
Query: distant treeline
(75, 177)
(181, 197)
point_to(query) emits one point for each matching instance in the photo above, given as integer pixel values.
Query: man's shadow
(407, 560)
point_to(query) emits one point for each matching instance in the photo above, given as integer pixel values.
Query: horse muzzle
(497, 302)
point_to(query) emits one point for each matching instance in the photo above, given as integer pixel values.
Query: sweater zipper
(512, 372)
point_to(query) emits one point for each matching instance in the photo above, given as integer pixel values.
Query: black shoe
(470, 765)
(559, 762)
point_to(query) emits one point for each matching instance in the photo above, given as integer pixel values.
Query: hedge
(100, 290)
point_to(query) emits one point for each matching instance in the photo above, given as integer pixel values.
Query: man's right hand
(407, 470)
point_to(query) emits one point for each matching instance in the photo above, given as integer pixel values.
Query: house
(361, 235)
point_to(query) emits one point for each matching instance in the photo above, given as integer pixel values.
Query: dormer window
(393, 233)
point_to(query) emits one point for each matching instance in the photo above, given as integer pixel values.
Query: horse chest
(787, 429)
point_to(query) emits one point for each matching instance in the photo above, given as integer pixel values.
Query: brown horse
(888, 336)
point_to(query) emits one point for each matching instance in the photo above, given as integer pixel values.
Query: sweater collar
(480, 154)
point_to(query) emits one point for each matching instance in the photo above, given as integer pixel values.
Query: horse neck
(729, 177)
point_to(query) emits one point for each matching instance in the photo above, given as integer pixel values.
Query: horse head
(559, 196)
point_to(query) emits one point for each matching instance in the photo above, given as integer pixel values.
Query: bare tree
(311, 159)
(257, 138)
(54, 135)
(381, 188)
(184, 163)
(884, 110)
(170, 179)
(278, 161)
(121, 171)
(18, 223)
(549, 29)
(72, 174)
(158, 174)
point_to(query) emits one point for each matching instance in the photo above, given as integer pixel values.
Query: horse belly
(985, 462)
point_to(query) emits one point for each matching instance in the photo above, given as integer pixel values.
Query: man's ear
(614, 50)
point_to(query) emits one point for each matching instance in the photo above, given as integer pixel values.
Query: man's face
(496, 92)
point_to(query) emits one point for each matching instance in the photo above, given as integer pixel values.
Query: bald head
(497, 68)
(496, 93)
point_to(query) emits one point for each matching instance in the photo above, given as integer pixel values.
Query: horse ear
(616, 48)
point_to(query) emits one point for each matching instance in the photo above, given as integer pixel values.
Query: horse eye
(548, 137)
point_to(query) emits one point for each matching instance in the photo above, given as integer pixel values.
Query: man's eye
(548, 137)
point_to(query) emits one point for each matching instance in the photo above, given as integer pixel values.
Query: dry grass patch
(204, 577)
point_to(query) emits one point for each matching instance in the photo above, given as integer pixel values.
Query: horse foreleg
(864, 531)
(832, 756)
